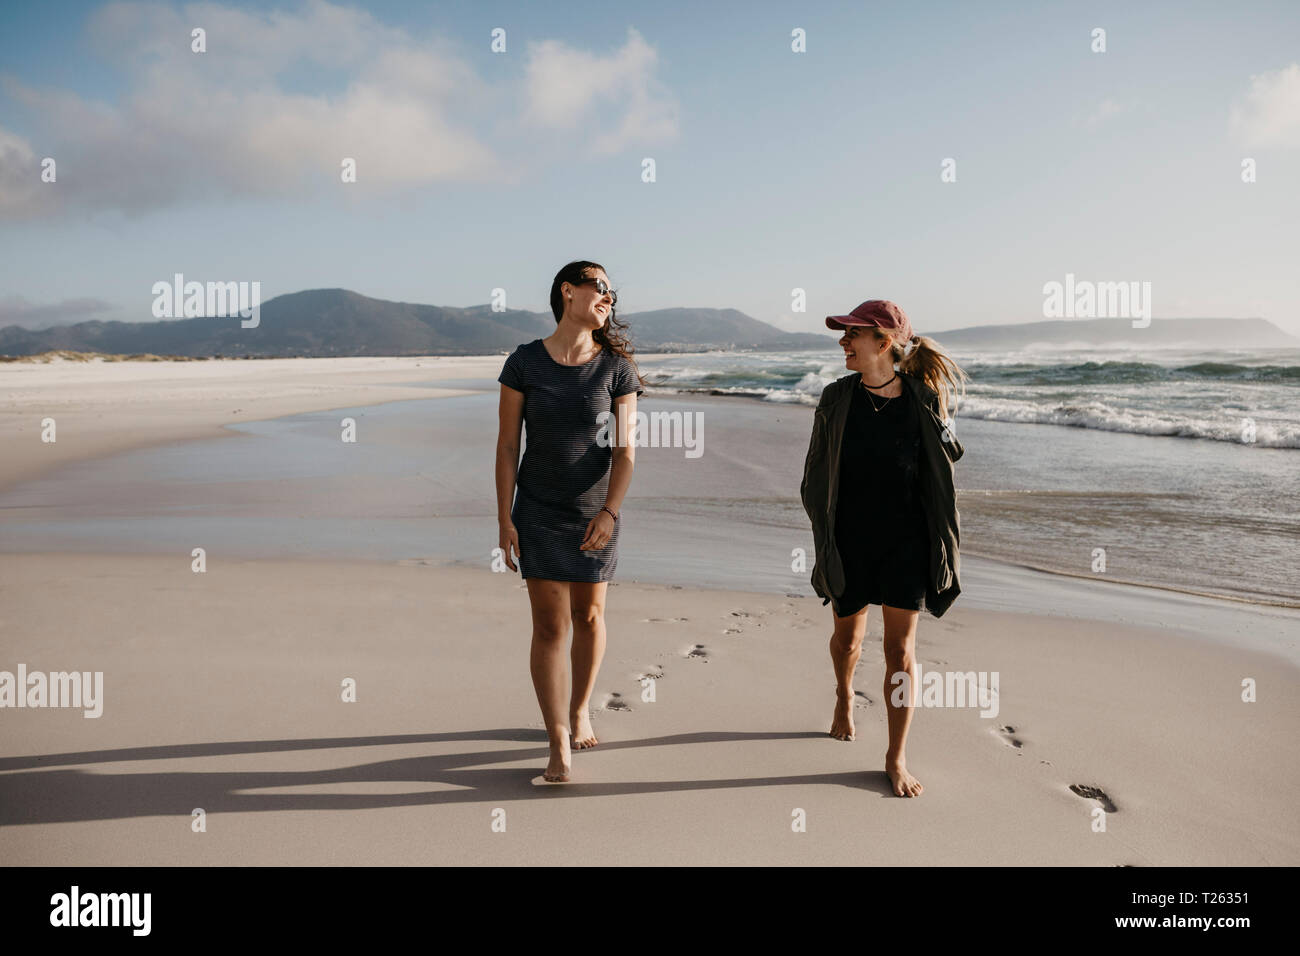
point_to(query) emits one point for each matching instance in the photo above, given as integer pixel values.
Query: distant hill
(329, 322)
(320, 322)
(1162, 333)
(694, 329)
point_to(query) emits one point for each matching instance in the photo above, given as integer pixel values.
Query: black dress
(564, 475)
(880, 528)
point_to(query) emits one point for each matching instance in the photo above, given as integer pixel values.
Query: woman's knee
(849, 633)
(587, 605)
(587, 617)
(900, 650)
(550, 630)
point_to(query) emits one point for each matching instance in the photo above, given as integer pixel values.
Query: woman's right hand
(509, 538)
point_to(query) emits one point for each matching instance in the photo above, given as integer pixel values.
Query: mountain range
(1161, 333)
(326, 322)
(336, 322)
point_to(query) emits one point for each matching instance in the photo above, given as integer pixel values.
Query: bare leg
(846, 648)
(587, 609)
(900, 656)
(550, 603)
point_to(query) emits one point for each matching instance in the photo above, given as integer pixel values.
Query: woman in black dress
(882, 535)
(558, 510)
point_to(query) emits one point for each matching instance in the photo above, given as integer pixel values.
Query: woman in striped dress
(558, 510)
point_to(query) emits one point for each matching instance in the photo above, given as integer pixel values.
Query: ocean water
(1222, 396)
(1171, 467)
(1189, 511)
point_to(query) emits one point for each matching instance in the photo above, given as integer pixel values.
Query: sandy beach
(223, 690)
(101, 408)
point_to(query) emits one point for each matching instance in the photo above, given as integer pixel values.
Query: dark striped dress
(564, 476)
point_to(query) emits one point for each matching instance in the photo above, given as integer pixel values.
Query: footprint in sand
(794, 617)
(665, 620)
(744, 619)
(861, 700)
(655, 672)
(699, 652)
(615, 701)
(1095, 793)
(1008, 735)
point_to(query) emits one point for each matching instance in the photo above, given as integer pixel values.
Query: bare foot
(904, 784)
(583, 736)
(557, 771)
(842, 723)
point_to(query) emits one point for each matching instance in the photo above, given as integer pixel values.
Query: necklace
(872, 399)
(583, 360)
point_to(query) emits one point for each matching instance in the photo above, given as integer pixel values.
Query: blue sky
(775, 170)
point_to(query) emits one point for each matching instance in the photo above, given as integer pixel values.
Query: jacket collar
(927, 400)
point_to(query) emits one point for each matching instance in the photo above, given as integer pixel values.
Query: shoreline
(81, 405)
(1190, 592)
(199, 406)
(74, 393)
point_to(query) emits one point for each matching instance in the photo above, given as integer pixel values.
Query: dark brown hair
(611, 336)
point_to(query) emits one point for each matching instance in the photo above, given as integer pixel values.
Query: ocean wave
(1125, 373)
(771, 379)
(1075, 414)
(782, 396)
(1189, 393)
(1099, 415)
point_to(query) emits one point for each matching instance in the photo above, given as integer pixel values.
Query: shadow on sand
(31, 792)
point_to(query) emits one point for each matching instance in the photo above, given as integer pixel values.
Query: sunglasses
(602, 288)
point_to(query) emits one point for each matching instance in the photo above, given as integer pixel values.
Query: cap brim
(844, 321)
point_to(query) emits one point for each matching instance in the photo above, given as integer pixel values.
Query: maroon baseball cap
(881, 313)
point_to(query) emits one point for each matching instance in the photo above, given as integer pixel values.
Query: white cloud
(228, 123)
(1104, 111)
(15, 310)
(280, 98)
(19, 174)
(617, 96)
(1269, 113)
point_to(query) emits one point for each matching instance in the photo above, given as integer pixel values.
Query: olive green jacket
(820, 490)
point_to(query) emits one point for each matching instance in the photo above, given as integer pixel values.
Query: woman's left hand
(599, 531)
